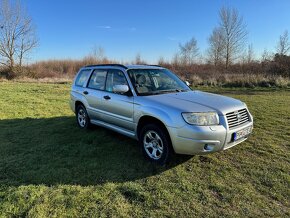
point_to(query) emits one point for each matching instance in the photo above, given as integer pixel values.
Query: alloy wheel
(153, 144)
(82, 117)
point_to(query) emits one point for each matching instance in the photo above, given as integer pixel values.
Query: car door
(94, 93)
(117, 108)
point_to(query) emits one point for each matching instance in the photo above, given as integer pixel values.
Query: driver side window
(115, 77)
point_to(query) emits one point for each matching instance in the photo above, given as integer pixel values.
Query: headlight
(201, 119)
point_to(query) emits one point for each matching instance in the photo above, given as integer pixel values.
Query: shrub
(265, 74)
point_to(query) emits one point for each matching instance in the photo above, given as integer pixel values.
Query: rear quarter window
(82, 77)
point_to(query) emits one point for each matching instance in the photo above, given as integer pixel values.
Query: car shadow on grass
(55, 151)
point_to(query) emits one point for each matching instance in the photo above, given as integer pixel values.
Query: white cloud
(171, 38)
(104, 27)
(131, 29)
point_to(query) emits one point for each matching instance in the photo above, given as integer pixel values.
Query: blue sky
(153, 28)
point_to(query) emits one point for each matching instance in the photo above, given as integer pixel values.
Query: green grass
(51, 168)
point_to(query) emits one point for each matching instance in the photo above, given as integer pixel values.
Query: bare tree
(175, 59)
(98, 52)
(234, 34)
(189, 51)
(17, 35)
(216, 46)
(161, 60)
(250, 54)
(283, 46)
(266, 56)
(138, 59)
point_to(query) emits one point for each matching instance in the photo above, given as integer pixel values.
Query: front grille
(237, 118)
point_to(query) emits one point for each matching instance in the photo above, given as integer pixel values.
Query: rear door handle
(107, 97)
(85, 92)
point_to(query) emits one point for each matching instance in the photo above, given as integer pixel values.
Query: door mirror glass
(120, 89)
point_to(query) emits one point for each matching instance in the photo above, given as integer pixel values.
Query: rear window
(82, 77)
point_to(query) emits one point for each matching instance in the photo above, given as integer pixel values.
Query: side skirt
(118, 129)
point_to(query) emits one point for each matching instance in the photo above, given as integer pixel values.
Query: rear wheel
(82, 117)
(155, 144)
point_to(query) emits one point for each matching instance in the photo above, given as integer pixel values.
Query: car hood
(198, 101)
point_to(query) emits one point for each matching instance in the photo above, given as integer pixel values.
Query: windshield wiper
(174, 90)
(166, 91)
(181, 90)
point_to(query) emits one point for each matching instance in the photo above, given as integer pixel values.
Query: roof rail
(104, 65)
(153, 65)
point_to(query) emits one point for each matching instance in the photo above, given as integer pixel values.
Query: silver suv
(155, 107)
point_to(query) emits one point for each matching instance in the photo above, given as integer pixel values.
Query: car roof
(143, 66)
(137, 66)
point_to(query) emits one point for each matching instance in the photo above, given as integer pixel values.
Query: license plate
(242, 133)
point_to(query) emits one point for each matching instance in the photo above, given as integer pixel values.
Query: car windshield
(156, 81)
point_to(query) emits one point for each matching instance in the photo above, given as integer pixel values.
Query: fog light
(208, 147)
(234, 136)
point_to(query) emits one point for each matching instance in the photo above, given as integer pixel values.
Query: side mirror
(187, 83)
(120, 89)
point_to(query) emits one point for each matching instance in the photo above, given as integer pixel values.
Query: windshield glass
(156, 81)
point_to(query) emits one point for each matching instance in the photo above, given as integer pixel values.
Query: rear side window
(98, 80)
(82, 77)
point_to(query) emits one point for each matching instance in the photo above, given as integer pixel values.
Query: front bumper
(204, 139)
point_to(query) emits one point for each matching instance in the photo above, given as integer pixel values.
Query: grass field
(51, 168)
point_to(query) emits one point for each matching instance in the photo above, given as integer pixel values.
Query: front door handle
(107, 97)
(85, 92)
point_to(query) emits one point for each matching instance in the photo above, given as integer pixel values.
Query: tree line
(227, 45)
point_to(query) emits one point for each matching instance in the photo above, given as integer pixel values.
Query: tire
(82, 117)
(155, 144)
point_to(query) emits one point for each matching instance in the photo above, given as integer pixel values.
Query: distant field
(51, 168)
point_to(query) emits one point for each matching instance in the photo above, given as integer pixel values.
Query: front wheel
(82, 117)
(155, 144)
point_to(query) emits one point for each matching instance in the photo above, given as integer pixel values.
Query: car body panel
(118, 110)
(219, 103)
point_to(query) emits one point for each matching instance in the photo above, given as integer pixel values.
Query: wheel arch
(146, 119)
(77, 103)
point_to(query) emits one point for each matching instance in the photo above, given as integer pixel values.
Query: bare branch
(283, 46)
